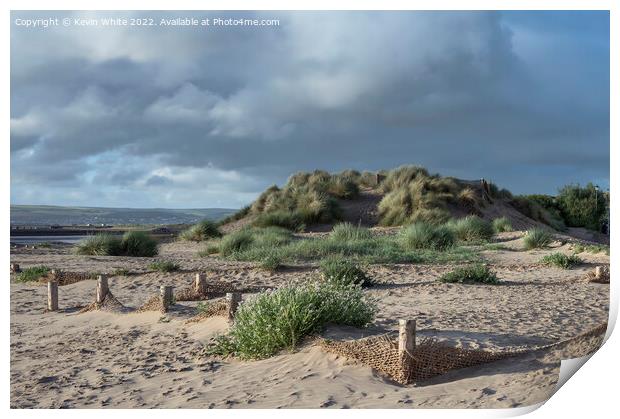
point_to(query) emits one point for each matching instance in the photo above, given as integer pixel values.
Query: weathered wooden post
(200, 283)
(15, 268)
(233, 299)
(166, 295)
(406, 346)
(52, 296)
(598, 272)
(406, 336)
(102, 288)
(379, 178)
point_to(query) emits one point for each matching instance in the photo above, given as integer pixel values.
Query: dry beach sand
(110, 359)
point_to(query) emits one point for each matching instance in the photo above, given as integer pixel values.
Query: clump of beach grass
(472, 274)
(422, 235)
(32, 274)
(138, 244)
(280, 319)
(271, 262)
(471, 229)
(242, 240)
(289, 220)
(348, 232)
(561, 260)
(537, 238)
(202, 231)
(345, 271)
(99, 245)
(164, 266)
(132, 243)
(502, 224)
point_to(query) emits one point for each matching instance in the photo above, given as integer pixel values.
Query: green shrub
(202, 231)
(271, 262)
(164, 266)
(138, 244)
(561, 260)
(427, 236)
(236, 242)
(537, 238)
(32, 274)
(349, 232)
(284, 219)
(344, 271)
(502, 224)
(99, 245)
(478, 273)
(582, 206)
(472, 228)
(280, 319)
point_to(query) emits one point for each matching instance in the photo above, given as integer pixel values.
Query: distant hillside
(50, 215)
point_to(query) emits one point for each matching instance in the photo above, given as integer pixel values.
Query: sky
(209, 116)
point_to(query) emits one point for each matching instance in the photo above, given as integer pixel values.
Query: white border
(591, 392)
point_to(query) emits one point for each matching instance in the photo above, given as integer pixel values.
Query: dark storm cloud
(159, 112)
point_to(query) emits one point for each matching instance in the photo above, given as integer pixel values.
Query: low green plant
(138, 244)
(211, 248)
(537, 238)
(164, 266)
(561, 260)
(289, 220)
(242, 240)
(32, 273)
(271, 262)
(344, 271)
(502, 224)
(472, 274)
(280, 319)
(99, 245)
(471, 229)
(422, 235)
(44, 245)
(348, 232)
(202, 231)
(236, 242)
(590, 248)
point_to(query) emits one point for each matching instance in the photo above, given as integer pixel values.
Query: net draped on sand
(429, 358)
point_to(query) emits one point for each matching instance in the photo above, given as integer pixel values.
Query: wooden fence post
(166, 295)
(102, 288)
(200, 283)
(52, 296)
(406, 336)
(233, 299)
(406, 347)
